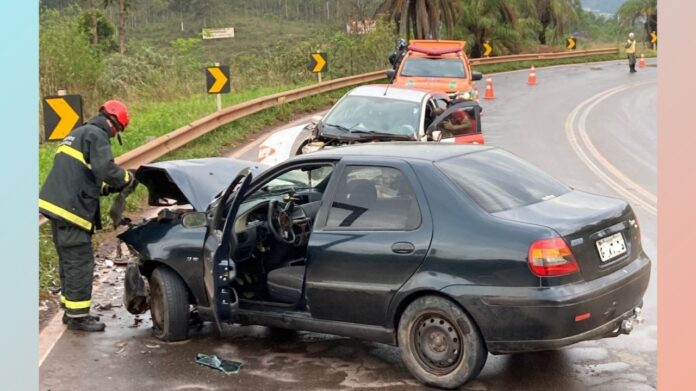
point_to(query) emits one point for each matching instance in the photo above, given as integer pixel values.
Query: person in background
(401, 50)
(631, 52)
(455, 124)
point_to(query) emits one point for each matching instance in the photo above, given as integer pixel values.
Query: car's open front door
(220, 242)
(460, 123)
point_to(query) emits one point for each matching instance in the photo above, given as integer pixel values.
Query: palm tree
(552, 13)
(632, 10)
(424, 17)
(485, 18)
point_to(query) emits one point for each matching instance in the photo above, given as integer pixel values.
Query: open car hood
(196, 181)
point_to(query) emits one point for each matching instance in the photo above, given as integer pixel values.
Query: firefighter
(631, 52)
(83, 169)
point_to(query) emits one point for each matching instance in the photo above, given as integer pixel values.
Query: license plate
(611, 246)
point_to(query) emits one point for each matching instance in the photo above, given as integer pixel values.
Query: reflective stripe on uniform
(62, 299)
(74, 153)
(77, 305)
(67, 215)
(126, 176)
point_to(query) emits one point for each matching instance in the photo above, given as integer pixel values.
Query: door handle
(403, 247)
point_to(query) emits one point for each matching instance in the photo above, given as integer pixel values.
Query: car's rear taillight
(551, 258)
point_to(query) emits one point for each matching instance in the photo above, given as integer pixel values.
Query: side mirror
(315, 119)
(194, 220)
(476, 75)
(390, 74)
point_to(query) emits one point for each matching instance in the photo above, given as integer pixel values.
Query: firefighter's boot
(66, 318)
(85, 323)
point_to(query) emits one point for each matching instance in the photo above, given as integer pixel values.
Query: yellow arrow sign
(220, 80)
(653, 37)
(487, 49)
(67, 118)
(571, 43)
(319, 62)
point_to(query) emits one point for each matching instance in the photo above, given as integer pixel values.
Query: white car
(376, 113)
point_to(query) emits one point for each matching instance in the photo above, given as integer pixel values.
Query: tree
(103, 34)
(123, 7)
(424, 17)
(633, 10)
(180, 7)
(483, 18)
(556, 14)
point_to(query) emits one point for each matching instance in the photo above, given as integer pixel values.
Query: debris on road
(225, 366)
(103, 306)
(136, 322)
(152, 346)
(122, 347)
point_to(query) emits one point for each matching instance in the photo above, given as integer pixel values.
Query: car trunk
(582, 219)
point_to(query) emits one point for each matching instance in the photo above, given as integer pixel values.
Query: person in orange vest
(631, 52)
(83, 169)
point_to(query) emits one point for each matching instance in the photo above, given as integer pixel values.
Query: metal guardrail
(162, 145)
(542, 56)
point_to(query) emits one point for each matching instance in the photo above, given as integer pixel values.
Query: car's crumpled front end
(182, 187)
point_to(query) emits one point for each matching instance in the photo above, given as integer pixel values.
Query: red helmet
(458, 115)
(117, 110)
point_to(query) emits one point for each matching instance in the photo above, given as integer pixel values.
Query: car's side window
(371, 197)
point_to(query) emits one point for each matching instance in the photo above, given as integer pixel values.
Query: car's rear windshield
(434, 67)
(498, 180)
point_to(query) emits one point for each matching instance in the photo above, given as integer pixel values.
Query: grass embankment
(154, 119)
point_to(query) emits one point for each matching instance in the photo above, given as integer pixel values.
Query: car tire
(440, 344)
(169, 305)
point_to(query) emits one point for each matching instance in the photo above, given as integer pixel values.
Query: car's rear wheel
(439, 343)
(169, 305)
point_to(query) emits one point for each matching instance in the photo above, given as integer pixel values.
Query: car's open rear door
(220, 242)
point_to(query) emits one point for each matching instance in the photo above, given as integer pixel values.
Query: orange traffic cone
(641, 62)
(532, 80)
(489, 89)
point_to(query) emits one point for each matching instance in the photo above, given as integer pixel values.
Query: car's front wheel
(439, 343)
(169, 305)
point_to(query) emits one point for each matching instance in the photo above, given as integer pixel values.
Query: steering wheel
(280, 222)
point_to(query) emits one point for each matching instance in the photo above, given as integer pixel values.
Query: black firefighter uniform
(82, 166)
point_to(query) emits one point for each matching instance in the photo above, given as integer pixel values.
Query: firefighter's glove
(106, 190)
(131, 176)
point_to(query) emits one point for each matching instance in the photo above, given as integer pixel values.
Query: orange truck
(439, 65)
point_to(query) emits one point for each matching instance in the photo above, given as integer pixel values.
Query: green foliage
(66, 58)
(633, 10)
(105, 29)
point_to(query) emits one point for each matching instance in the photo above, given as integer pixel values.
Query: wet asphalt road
(592, 126)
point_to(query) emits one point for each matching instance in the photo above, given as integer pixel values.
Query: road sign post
(218, 82)
(571, 43)
(62, 114)
(653, 39)
(318, 63)
(487, 49)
